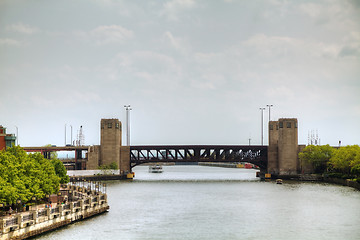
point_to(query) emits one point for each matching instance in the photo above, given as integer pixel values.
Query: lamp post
(71, 135)
(65, 135)
(127, 109)
(17, 136)
(269, 106)
(262, 125)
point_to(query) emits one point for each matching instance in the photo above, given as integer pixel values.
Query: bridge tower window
(281, 124)
(109, 125)
(117, 125)
(288, 124)
(271, 127)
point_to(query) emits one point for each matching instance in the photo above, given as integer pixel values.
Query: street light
(262, 125)
(127, 109)
(17, 136)
(65, 135)
(269, 106)
(71, 135)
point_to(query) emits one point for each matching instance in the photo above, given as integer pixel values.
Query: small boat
(279, 181)
(155, 169)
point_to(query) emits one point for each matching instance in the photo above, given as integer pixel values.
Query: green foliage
(23, 176)
(112, 166)
(318, 156)
(60, 170)
(334, 175)
(346, 160)
(59, 167)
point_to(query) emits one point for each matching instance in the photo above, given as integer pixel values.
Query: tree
(60, 170)
(318, 156)
(346, 160)
(23, 176)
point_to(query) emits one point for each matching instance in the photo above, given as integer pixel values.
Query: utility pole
(127, 109)
(262, 125)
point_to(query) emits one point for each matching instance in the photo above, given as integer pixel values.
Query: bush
(335, 175)
(346, 176)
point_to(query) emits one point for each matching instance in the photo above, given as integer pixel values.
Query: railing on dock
(66, 206)
(12, 221)
(25, 219)
(42, 212)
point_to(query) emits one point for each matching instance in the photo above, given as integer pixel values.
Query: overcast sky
(194, 72)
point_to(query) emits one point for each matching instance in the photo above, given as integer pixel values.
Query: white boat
(155, 169)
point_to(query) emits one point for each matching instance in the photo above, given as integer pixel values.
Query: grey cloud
(350, 51)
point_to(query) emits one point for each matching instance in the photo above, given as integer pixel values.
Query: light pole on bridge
(269, 106)
(262, 125)
(127, 109)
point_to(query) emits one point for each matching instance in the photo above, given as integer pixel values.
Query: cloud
(103, 35)
(351, 46)
(173, 8)
(333, 14)
(177, 43)
(10, 42)
(22, 28)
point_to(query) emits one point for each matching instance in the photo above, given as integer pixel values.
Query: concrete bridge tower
(110, 149)
(110, 141)
(283, 147)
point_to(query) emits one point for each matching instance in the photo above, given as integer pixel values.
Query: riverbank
(298, 177)
(73, 204)
(344, 182)
(321, 178)
(226, 165)
(98, 175)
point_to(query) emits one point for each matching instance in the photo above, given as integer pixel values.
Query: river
(197, 202)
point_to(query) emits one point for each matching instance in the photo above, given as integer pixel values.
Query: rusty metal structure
(199, 153)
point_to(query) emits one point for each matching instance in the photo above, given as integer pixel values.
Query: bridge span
(199, 153)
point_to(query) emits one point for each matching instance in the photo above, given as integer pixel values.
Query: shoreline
(298, 177)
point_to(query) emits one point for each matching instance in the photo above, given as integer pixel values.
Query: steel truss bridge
(199, 153)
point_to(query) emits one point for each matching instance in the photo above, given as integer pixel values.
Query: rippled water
(196, 202)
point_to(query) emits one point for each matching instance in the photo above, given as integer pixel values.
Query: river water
(197, 202)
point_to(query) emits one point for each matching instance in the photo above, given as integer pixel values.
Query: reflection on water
(196, 202)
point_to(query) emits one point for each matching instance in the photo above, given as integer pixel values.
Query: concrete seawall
(23, 225)
(344, 182)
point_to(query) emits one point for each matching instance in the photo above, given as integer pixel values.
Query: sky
(193, 71)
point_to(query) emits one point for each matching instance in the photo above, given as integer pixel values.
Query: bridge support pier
(283, 147)
(47, 155)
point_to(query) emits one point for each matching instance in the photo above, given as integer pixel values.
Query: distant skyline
(194, 72)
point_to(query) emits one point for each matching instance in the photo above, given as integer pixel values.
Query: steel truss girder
(199, 153)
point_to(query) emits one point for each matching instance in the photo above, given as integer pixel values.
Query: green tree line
(343, 161)
(24, 176)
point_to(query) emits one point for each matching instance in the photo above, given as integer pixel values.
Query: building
(6, 140)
